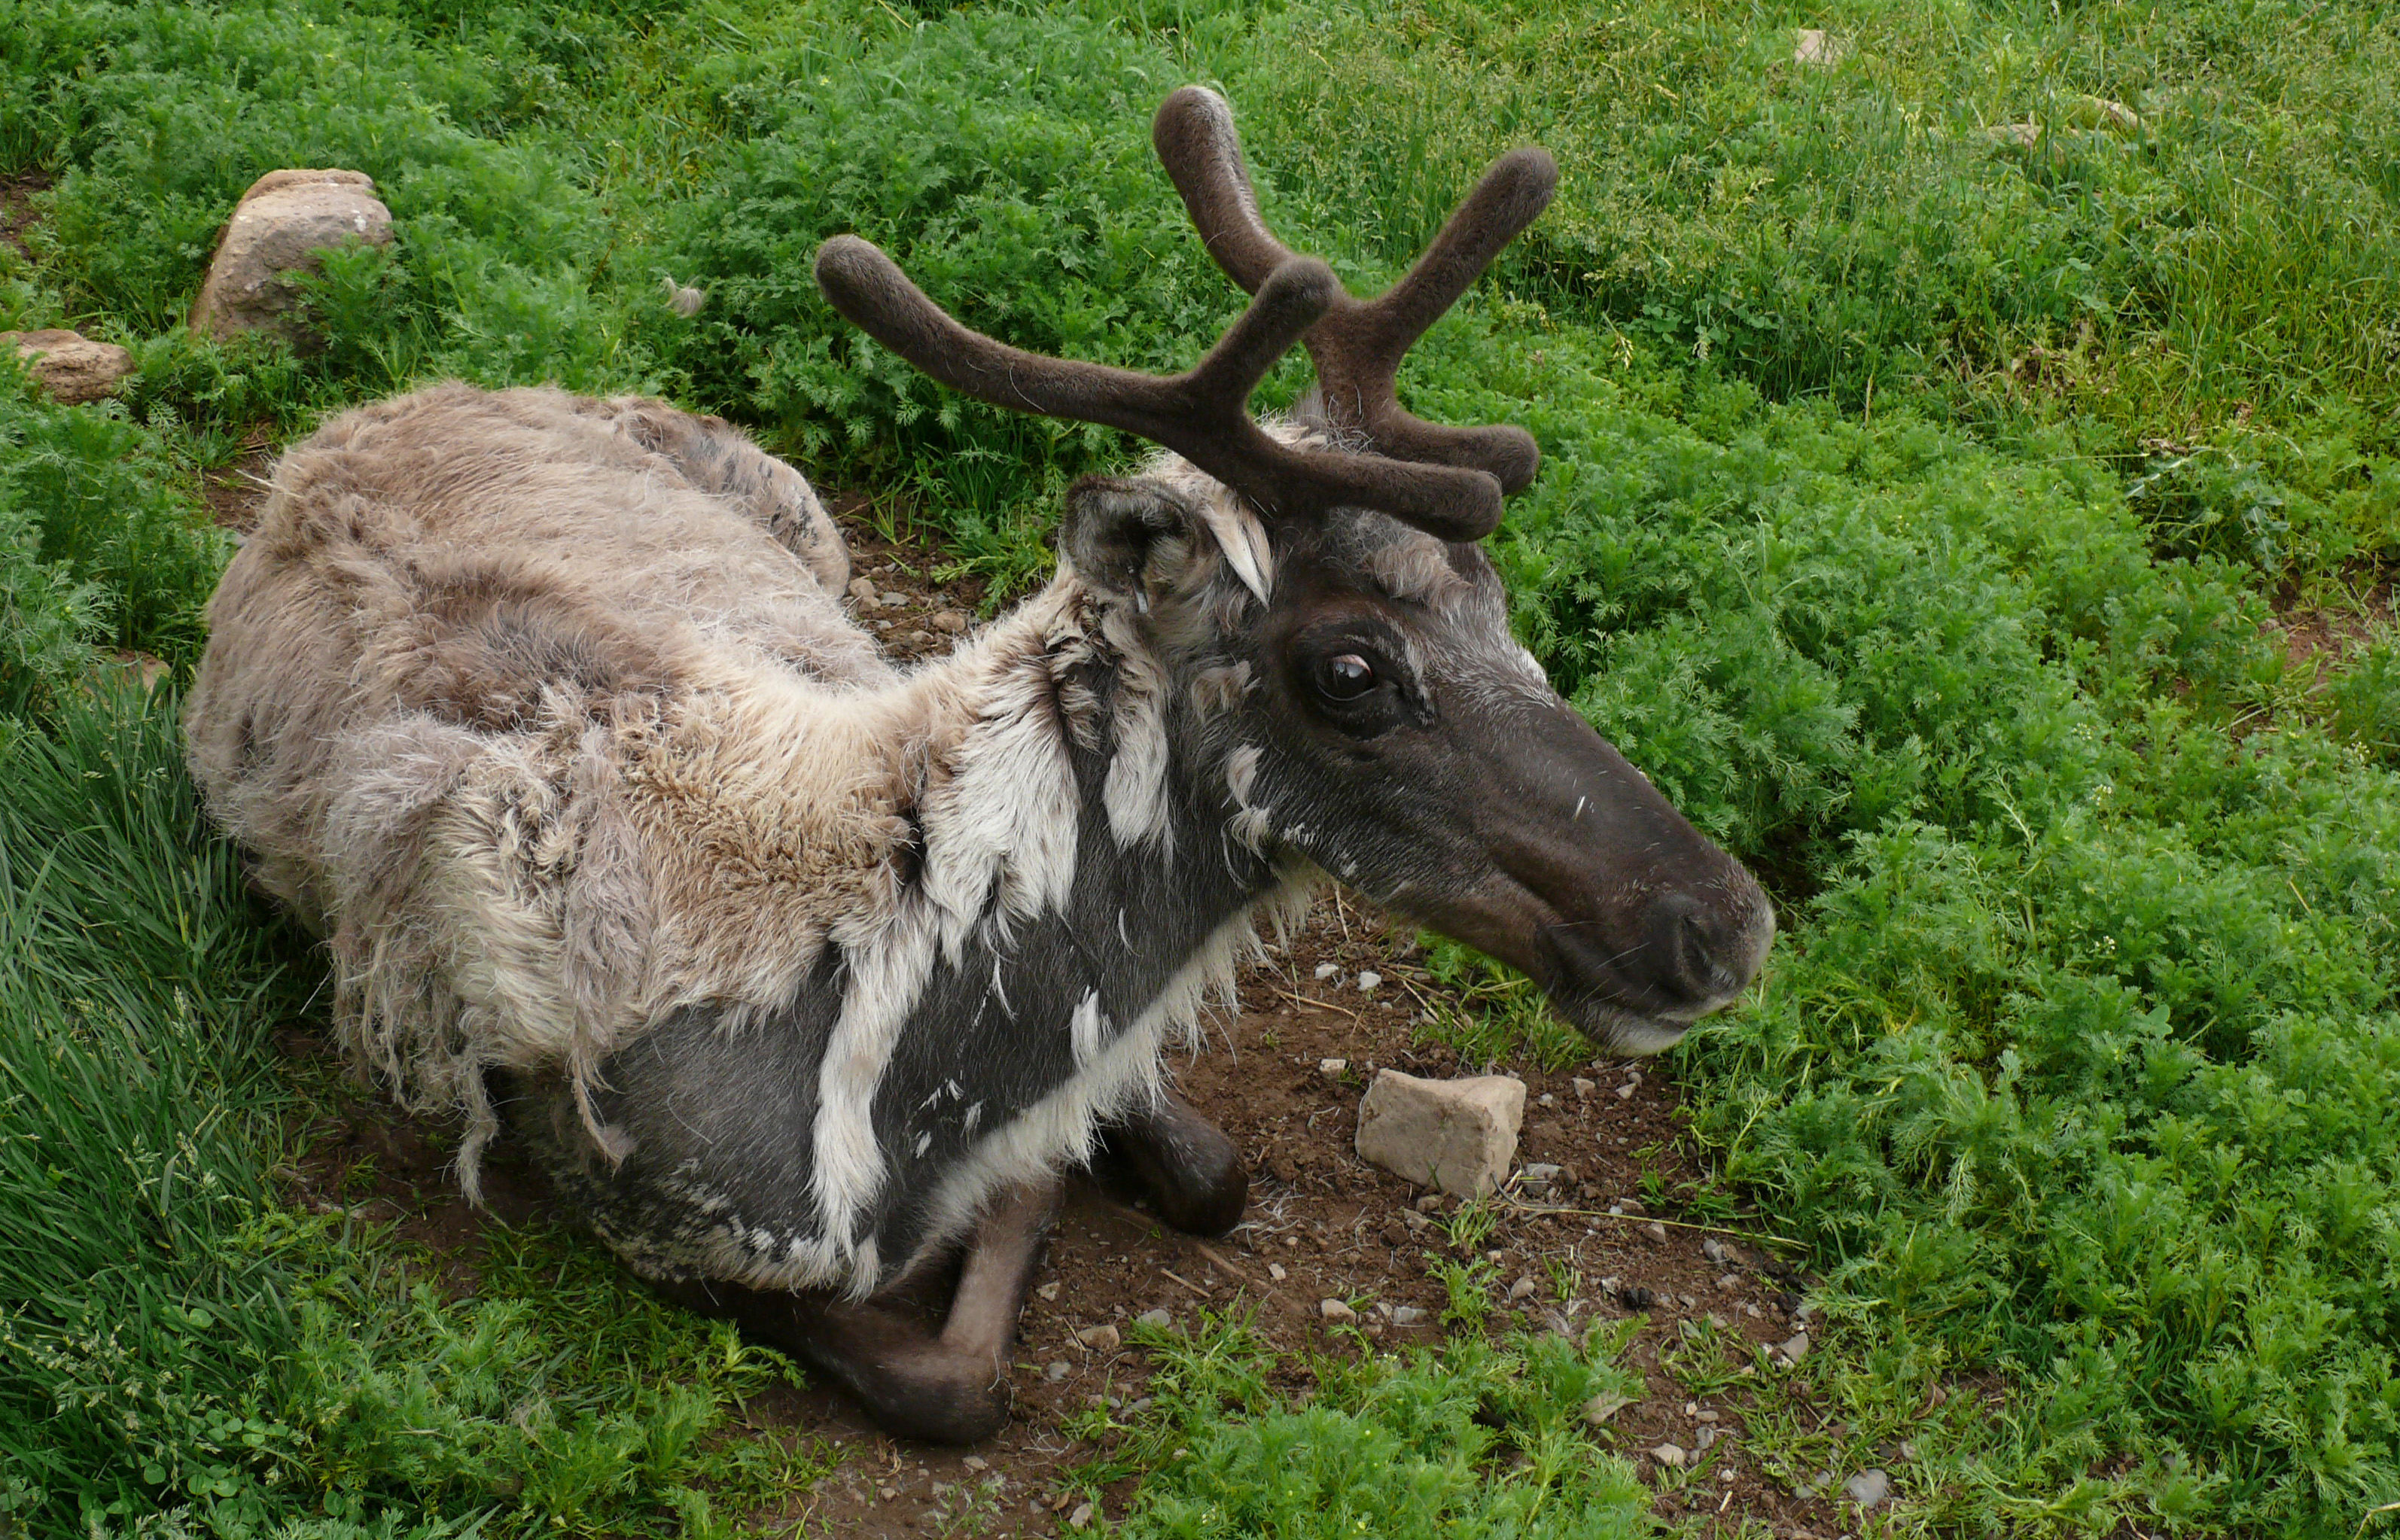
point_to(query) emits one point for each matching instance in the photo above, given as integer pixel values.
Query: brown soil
(1322, 1225)
(2324, 636)
(17, 213)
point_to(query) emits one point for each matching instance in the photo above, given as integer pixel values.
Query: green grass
(1915, 504)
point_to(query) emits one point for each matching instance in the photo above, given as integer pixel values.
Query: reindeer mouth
(1640, 995)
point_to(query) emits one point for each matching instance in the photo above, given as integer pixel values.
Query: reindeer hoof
(1185, 1163)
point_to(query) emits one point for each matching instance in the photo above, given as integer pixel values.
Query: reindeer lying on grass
(794, 969)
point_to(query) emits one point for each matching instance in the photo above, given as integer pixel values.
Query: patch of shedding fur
(1135, 792)
(1063, 1127)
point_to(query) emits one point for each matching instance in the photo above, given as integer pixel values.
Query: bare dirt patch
(17, 215)
(1586, 1248)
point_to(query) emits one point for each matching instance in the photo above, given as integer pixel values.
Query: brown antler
(1359, 346)
(1201, 414)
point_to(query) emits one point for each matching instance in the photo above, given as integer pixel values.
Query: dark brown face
(1401, 738)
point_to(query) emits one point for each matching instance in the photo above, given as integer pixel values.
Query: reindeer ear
(1114, 528)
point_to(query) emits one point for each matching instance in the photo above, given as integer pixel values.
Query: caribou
(803, 975)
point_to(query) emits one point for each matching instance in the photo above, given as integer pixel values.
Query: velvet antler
(1358, 347)
(1201, 414)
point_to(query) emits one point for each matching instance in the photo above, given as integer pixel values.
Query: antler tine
(1357, 347)
(1194, 135)
(1201, 414)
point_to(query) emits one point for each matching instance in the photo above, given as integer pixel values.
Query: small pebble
(863, 592)
(893, 601)
(1625, 1092)
(1326, 971)
(1048, 1291)
(1656, 1231)
(976, 1462)
(1867, 1488)
(1099, 1339)
(1730, 1282)
(1407, 1315)
(950, 620)
(1546, 1099)
(1584, 1088)
(1159, 1318)
(1669, 1455)
(1522, 1289)
(1792, 1350)
(1331, 1067)
(1337, 1312)
(1368, 980)
(1057, 1370)
(1274, 1271)
(1081, 1516)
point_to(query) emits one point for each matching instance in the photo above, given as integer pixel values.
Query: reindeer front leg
(946, 1387)
(1185, 1163)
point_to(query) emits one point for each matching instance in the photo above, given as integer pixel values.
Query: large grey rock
(1459, 1135)
(272, 238)
(69, 367)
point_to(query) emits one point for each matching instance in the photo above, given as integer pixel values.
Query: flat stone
(1656, 1231)
(1792, 1350)
(863, 590)
(1669, 1455)
(277, 230)
(1603, 1406)
(1584, 1088)
(1326, 971)
(1057, 1370)
(1368, 980)
(1522, 1289)
(1407, 1315)
(1813, 46)
(894, 599)
(1331, 1067)
(1337, 1312)
(952, 620)
(1458, 1136)
(1159, 1318)
(69, 368)
(1867, 1488)
(1099, 1339)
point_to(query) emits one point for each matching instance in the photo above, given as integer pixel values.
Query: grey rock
(1867, 1488)
(1603, 1406)
(1407, 1315)
(1458, 1136)
(1159, 1318)
(272, 240)
(69, 368)
(1669, 1455)
(1792, 1350)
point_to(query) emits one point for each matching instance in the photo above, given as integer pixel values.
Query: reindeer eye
(1344, 678)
